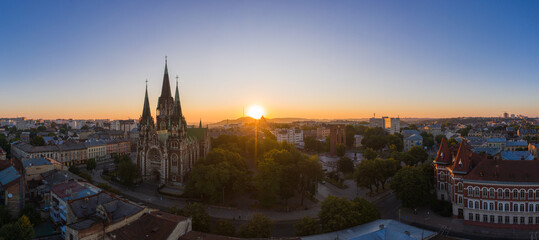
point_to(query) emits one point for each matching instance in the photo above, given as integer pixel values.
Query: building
(489, 192)
(496, 143)
(26, 151)
(337, 136)
(72, 153)
(412, 141)
(357, 140)
(505, 115)
(12, 190)
(523, 132)
(34, 167)
(3, 154)
(322, 133)
(533, 148)
(290, 135)
(517, 155)
(63, 192)
(395, 126)
(435, 129)
(154, 225)
(377, 122)
(167, 150)
(96, 149)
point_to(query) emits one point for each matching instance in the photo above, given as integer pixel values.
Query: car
(323, 182)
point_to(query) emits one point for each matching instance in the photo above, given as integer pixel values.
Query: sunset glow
(255, 112)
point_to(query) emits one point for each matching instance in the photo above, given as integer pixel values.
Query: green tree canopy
(225, 227)
(411, 187)
(345, 165)
(91, 164)
(416, 155)
(307, 226)
(128, 172)
(340, 213)
(37, 141)
(20, 230)
(370, 154)
(258, 227)
(198, 214)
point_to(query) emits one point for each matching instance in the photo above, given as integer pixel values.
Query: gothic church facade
(167, 149)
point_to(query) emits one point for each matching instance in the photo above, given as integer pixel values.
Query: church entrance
(156, 175)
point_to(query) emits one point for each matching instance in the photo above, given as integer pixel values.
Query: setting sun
(255, 112)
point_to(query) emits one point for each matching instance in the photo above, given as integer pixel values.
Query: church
(167, 149)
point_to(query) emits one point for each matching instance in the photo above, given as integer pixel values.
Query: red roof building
(488, 191)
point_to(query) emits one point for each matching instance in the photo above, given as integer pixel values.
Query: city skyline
(316, 60)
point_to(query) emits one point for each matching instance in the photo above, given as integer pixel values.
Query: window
(491, 206)
(530, 220)
(530, 208)
(522, 220)
(470, 191)
(485, 192)
(492, 193)
(506, 193)
(476, 192)
(459, 185)
(522, 207)
(500, 219)
(485, 218)
(500, 193)
(507, 209)
(470, 203)
(460, 199)
(537, 207)
(442, 176)
(537, 194)
(476, 205)
(530, 194)
(537, 219)
(506, 219)
(485, 205)
(477, 217)
(522, 194)
(515, 220)
(470, 217)
(515, 207)
(500, 207)
(492, 218)
(515, 194)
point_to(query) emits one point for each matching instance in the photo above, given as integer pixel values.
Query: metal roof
(9, 175)
(35, 162)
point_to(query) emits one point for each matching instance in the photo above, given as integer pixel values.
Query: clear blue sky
(315, 59)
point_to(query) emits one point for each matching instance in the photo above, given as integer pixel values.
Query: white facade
(395, 126)
(290, 135)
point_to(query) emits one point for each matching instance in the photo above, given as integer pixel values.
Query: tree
(74, 170)
(370, 154)
(350, 136)
(128, 173)
(41, 128)
(5, 217)
(4, 144)
(91, 164)
(411, 187)
(385, 168)
(307, 226)
(313, 145)
(200, 218)
(85, 127)
(341, 149)
(20, 230)
(258, 227)
(396, 141)
(428, 139)
(416, 155)
(439, 138)
(29, 211)
(225, 227)
(464, 132)
(340, 213)
(376, 142)
(37, 141)
(366, 175)
(345, 165)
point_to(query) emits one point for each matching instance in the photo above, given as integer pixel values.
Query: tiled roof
(85, 207)
(118, 209)
(465, 159)
(444, 155)
(517, 155)
(77, 190)
(496, 140)
(505, 171)
(35, 162)
(521, 143)
(156, 225)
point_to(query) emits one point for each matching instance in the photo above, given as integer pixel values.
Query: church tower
(164, 104)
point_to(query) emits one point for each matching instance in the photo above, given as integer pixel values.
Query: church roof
(165, 91)
(177, 110)
(198, 133)
(146, 113)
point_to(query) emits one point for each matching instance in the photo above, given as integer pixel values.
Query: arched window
(459, 186)
(507, 207)
(476, 192)
(491, 195)
(470, 203)
(522, 207)
(442, 176)
(515, 194)
(537, 194)
(491, 206)
(485, 205)
(500, 207)
(470, 191)
(485, 192)
(530, 194)
(522, 194)
(500, 193)
(174, 164)
(476, 204)
(506, 193)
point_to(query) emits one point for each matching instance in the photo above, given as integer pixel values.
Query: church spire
(146, 114)
(200, 123)
(177, 111)
(165, 92)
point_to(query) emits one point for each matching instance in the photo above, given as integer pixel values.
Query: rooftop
(156, 225)
(72, 190)
(8, 175)
(517, 155)
(35, 162)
